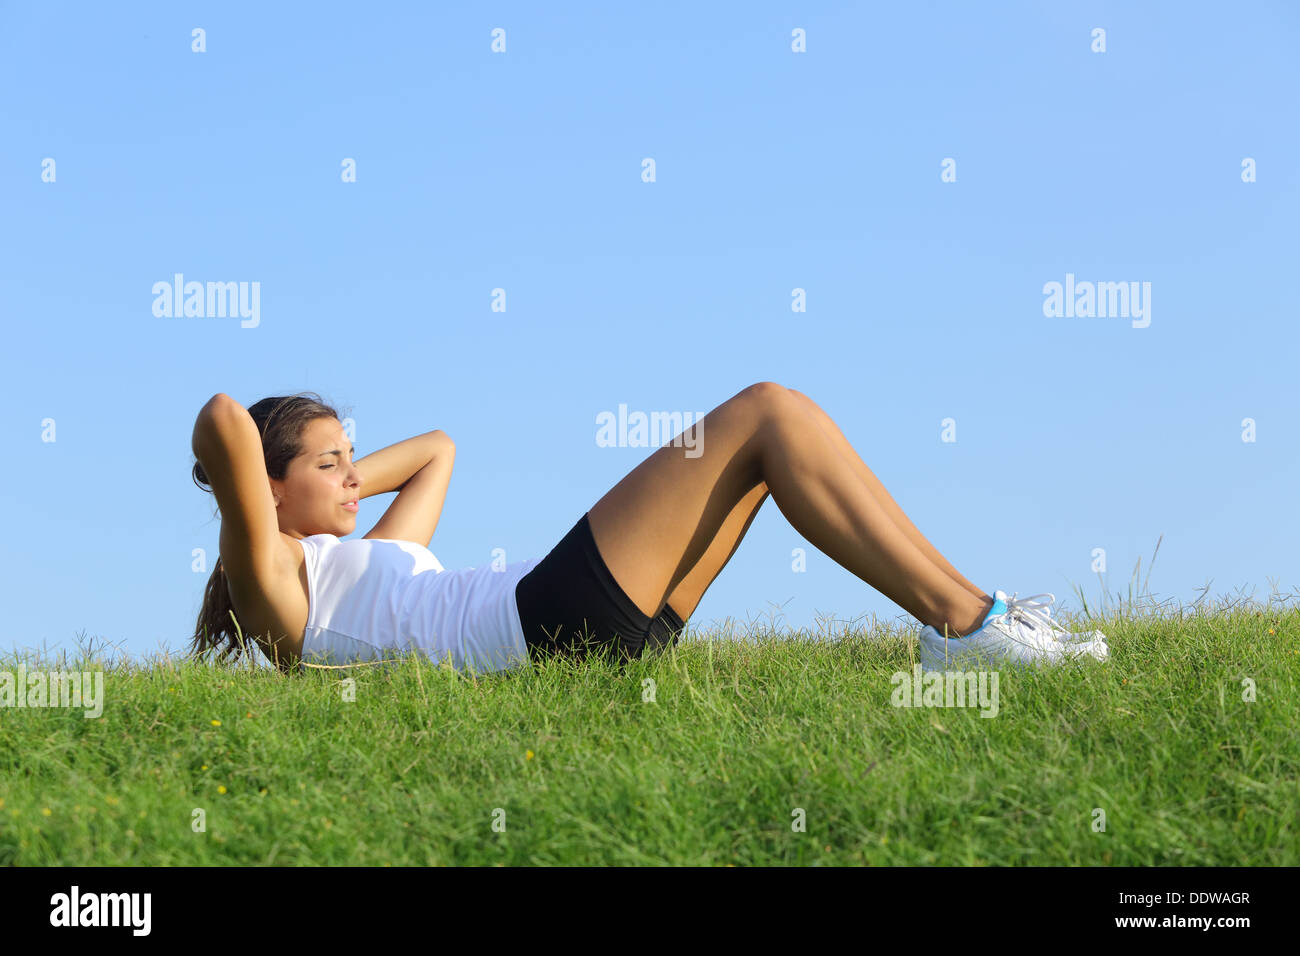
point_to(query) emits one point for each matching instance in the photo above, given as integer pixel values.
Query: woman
(625, 578)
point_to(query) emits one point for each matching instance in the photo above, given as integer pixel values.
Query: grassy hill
(775, 750)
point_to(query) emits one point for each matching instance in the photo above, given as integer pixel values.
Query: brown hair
(281, 421)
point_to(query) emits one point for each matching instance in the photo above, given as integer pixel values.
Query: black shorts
(570, 604)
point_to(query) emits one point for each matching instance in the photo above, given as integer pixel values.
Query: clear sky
(774, 171)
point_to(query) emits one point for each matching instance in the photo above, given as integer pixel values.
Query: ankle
(963, 623)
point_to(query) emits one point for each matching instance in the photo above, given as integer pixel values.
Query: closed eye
(351, 455)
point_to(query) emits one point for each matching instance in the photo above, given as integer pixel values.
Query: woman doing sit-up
(623, 580)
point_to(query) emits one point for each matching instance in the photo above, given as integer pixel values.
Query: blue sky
(774, 171)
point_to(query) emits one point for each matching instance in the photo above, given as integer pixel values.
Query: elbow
(216, 404)
(210, 419)
(219, 400)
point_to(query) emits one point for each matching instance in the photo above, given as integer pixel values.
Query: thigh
(655, 525)
(686, 596)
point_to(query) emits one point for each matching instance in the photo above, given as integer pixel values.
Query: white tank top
(374, 598)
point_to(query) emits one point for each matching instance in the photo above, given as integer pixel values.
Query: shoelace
(1032, 613)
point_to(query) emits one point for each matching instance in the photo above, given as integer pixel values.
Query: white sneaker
(1025, 632)
(1070, 637)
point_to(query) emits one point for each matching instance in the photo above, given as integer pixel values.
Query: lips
(351, 505)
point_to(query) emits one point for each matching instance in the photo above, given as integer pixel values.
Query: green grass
(738, 737)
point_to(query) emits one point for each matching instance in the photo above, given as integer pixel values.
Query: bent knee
(772, 396)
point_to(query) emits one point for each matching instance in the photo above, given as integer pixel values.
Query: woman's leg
(654, 526)
(687, 595)
(883, 497)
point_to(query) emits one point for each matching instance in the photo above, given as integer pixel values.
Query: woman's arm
(389, 469)
(414, 514)
(227, 444)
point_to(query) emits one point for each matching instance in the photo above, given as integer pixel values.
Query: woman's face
(318, 483)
